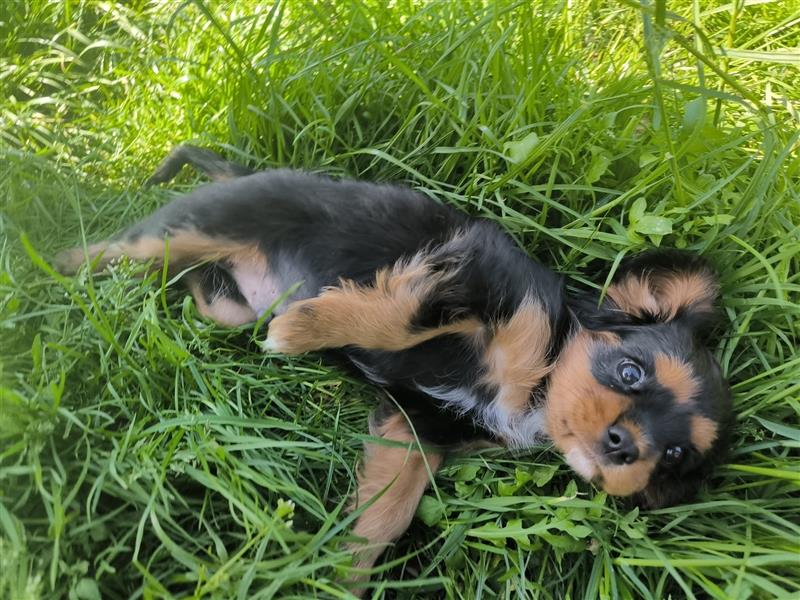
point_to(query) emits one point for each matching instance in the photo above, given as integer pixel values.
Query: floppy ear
(663, 285)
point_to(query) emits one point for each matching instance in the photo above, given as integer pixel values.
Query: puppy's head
(636, 402)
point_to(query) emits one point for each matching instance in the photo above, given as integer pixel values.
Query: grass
(146, 453)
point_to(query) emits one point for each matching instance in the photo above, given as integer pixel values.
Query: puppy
(473, 340)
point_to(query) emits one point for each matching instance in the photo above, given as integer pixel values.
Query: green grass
(147, 453)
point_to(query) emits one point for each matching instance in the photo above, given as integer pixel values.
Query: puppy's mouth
(592, 466)
(579, 457)
(583, 461)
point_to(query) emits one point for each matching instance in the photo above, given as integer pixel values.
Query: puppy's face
(637, 403)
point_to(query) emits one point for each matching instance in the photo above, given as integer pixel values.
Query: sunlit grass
(147, 453)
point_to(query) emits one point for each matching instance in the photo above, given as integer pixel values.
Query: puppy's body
(473, 339)
(448, 286)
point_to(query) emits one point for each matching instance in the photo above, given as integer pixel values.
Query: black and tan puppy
(474, 340)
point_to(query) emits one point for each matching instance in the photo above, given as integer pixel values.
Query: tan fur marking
(399, 477)
(624, 480)
(676, 376)
(704, 432)
(577, 405)
(664, 295)
(580, 410)
(184, 247)
(607, 337)
(244, 254)
(374, 317)
(69, 261)
(634, 296)
(516, 357)
(686, 289)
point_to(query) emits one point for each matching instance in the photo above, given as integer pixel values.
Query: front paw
(295, 332)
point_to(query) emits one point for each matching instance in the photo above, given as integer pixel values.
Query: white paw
(273, 344)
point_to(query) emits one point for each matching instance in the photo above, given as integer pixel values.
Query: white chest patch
(460, 400)
(518, 429)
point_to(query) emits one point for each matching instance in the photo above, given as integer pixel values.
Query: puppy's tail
(207, 162)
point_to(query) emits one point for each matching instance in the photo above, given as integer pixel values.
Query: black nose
(619, 446)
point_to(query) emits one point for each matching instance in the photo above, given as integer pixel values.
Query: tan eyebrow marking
(676, 376)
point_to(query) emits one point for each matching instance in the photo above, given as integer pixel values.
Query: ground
(147, 453)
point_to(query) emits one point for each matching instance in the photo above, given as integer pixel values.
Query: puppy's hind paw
(67, 262)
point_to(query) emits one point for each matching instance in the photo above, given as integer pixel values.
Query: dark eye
(630, 373)
(673, 456)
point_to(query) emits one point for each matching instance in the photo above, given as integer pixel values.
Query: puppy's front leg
(393, 479)
(374, 317)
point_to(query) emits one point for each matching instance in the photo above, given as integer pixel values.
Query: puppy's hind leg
(207, 162)
(217, 296)
(181, 247)
(67, 262)
(146, 239)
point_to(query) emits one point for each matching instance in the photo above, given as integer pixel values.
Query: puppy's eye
(673, 456)
(630, 373)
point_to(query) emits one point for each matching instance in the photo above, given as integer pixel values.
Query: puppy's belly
(261, 286)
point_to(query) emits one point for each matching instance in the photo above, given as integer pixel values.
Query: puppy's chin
(583, 464)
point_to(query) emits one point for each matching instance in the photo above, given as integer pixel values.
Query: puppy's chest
(504, 416)
(496, 382)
